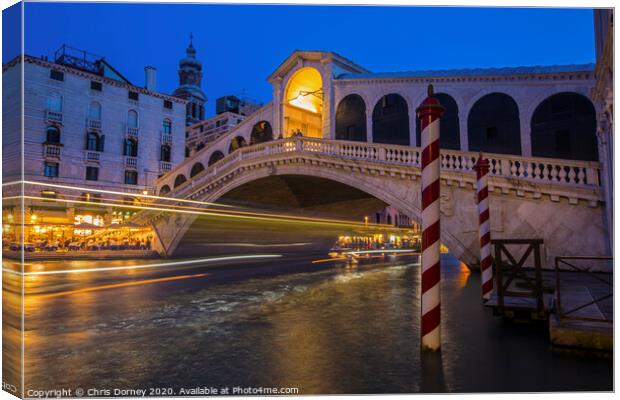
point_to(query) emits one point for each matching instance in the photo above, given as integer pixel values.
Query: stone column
(463, 130)
(369, 125)
(526, 138)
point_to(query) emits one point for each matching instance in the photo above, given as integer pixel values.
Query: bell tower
(190, 77)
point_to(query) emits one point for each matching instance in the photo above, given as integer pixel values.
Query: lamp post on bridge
(484, 226)
(429, 113)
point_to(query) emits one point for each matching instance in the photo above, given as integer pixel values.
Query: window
(166, 126)
(94, 111)
(57, 75)
(52, 134)
(54, 102)
(51, 169)
(96, 86)
(131, 148)
(131, 177)
(168, 104)
(94, 142)
(187, 152)
(132, 119)
(92, 173)
(164, 153)
(133, 95)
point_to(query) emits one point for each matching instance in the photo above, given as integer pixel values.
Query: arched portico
(303, 104)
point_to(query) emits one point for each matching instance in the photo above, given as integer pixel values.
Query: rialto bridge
(338, 138)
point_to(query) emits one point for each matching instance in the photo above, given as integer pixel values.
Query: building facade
(230, 112)
(235, 105)
(85, 128)
(190, 78)
(603, 95)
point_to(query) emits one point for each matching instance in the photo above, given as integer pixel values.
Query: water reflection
(340, 328)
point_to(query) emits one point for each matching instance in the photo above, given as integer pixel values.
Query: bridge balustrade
(540, 170)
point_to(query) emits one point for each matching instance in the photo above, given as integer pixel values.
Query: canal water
(327, 329)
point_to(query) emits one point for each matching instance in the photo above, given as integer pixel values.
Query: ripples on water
(338, 330)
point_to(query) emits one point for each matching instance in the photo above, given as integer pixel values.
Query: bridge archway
(449, 129)
(564, 126)
(196, 169)
(351, 119)
(164, 190)
(215, 157)
(179, 180)
(390, 120)
(493, 125)
(303, 104)
(261, 133)
(236, 143)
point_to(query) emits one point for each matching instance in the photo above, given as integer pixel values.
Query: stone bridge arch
(527, 199)
(404, 195)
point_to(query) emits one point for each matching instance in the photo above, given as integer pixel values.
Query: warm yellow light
(304, 88)
(145, 192)
(33, 217)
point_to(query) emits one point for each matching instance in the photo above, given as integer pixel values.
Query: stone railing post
(505, 163)
(592, 176)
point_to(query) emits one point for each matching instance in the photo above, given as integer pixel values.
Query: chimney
(150, 77)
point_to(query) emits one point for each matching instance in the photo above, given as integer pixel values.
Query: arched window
(166, 126)
(196, 169)
(54, 102)
(131, 147)
(164, 190)
(390, 120)
(132, 119)
(449, 132)
(179, 180)
(215, 157)
(52, 134)
(94, 141)
(261, 132)
(493, 125)
(165, 153)
(351, 119)
(564, 126)
(94, 111)
(236, 143)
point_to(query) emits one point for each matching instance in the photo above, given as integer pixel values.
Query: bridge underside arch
(300, 195)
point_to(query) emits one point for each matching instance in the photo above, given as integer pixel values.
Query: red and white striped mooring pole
(429, 112)
(484, 227)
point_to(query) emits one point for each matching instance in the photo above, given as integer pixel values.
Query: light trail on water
(146, 266)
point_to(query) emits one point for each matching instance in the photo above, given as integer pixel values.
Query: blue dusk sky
(240, 45)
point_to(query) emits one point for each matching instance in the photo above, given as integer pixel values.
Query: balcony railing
(166, 138)
(131, 162)
(92, 156)
(165, 166)
(53, 116)
(131, 131)
(93, 124)
(51, 151)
